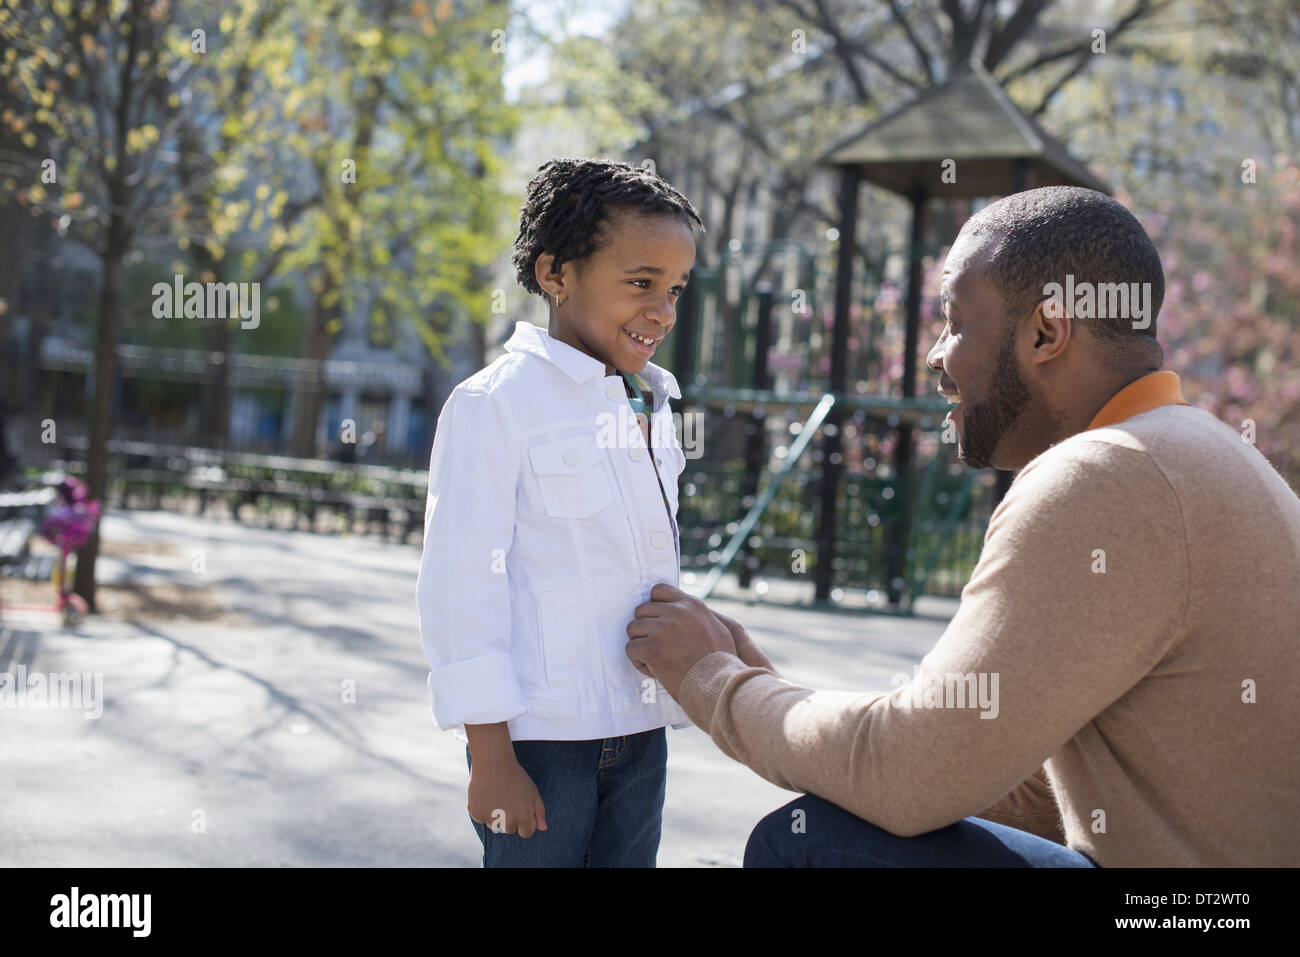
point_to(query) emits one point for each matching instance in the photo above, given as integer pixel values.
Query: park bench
(141, 473)
(20, 518)
(15, 533)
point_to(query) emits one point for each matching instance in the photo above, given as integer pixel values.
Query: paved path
(231, 745)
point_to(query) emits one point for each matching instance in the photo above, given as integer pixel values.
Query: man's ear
(1051, 328)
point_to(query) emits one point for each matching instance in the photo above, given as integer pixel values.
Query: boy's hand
(504, 797)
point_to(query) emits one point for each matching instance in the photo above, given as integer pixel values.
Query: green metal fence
(747, 507)
(946, 529)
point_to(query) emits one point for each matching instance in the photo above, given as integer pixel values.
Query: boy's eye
(676, 290)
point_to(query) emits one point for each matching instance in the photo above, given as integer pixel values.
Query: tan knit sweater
(1135, 620)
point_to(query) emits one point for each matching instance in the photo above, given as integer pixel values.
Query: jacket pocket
(545, 629)
(570, 476)
(562, 649)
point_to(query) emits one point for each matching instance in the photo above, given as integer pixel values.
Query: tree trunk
(214, 402)
(316, 345)
(216, 420)
(9, 281)
(478, 344)
(11, 232)
(110, 300)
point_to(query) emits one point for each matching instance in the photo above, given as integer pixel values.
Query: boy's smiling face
(620, 302)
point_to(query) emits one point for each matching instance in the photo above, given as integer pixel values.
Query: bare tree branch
(851, 47)
(1017, 25)
(1142, 9)
(840, 49)
(922, 54)
(1075, 69)
(963, 36)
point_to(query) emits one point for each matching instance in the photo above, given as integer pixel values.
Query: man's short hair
(1041, 235)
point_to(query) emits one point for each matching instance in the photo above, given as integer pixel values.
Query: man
(1118, 684)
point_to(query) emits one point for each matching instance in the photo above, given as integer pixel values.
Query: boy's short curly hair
(568, 201)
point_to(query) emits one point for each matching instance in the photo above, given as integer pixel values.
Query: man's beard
(985, 423)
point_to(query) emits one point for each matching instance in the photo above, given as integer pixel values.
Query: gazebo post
(850, 181)
(967, 127)
(755, 429)
(896, 543)
(684, 342)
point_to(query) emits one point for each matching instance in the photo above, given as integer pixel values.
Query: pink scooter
(67, 525)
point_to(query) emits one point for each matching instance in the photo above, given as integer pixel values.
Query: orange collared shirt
(1141, 395)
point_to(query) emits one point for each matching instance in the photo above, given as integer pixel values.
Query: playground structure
(878, 503)
(755, 360)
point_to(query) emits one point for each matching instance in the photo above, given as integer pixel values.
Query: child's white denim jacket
(545, 527)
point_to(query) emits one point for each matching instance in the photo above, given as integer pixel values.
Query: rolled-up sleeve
(463, 589)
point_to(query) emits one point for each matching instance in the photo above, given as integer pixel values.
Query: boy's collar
(579, 366)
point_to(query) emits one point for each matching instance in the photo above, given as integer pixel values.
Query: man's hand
(746, 650)
(673, 631)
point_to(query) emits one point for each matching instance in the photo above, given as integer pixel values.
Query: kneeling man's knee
(781, 839)
(812, 832)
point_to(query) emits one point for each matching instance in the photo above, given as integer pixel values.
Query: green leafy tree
(394, 116)
(356, 145)
(88, 87)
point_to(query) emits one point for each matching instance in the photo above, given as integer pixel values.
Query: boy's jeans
(604, 803)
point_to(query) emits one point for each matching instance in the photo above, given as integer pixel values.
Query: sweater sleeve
(1081, 588)
(1030, 806)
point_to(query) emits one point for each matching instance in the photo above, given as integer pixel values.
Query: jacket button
(614, 391)
(636, 454)
(572, 457)
(658, 539)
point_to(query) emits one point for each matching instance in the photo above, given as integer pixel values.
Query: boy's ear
(552, 284)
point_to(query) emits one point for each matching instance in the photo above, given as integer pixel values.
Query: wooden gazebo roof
(998, 149)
